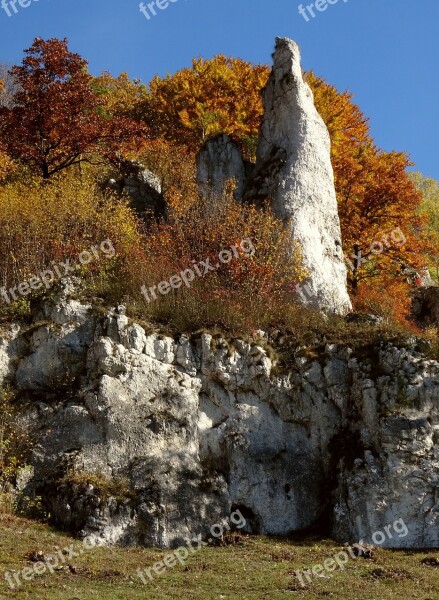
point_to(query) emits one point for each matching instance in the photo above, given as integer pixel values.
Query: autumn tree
(429, 209)
(121, 95)
(375, 194)
(221, 95)
(57, 119)
(385, 234)
(8, 86)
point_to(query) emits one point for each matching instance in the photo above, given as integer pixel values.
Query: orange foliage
(375, 197)
(384, 297)
(221, 95)
(249, 290)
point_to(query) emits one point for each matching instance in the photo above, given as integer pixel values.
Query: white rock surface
(293, 170)
(199, 426)
(219, 161)
(143, 187)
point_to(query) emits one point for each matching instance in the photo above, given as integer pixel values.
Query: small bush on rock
(14, 447)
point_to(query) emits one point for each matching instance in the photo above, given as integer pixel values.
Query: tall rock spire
(293, 169)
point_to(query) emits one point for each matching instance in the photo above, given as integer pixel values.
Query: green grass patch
(253, 568)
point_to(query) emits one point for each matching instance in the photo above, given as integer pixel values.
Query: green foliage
(30, 507)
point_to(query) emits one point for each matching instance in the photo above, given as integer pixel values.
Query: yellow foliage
(122, 95)
(42, 222)
(173, 164)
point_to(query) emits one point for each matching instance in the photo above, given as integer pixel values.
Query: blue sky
(385, 51)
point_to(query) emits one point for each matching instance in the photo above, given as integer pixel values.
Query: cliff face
(195, 427)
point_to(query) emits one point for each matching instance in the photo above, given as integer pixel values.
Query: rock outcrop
(220, 160)
(198, 427)
(144, 189)
(293, 170)
(425, 306)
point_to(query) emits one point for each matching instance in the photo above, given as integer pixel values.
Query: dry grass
(253, 568)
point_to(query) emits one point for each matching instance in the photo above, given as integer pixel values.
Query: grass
(257, 568)
(118, 488)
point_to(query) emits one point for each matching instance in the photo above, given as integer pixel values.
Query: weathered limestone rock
(219, 160)
(293, 170)
(144, 189)
(198, 427)
(425, 306)
(394, 421)
(11, 345)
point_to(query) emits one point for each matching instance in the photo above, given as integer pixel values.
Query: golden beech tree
(56, 119)
(121, 95)
(378, 210)
(221, 95)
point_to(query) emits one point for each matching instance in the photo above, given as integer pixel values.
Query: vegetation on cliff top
(64, 132)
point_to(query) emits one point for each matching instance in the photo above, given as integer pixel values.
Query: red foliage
(57, 118)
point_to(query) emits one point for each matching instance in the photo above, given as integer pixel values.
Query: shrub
(374, 297)
(118, 488)
(14, 441)
(248, 292)
(46, 222)
(173, 164)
